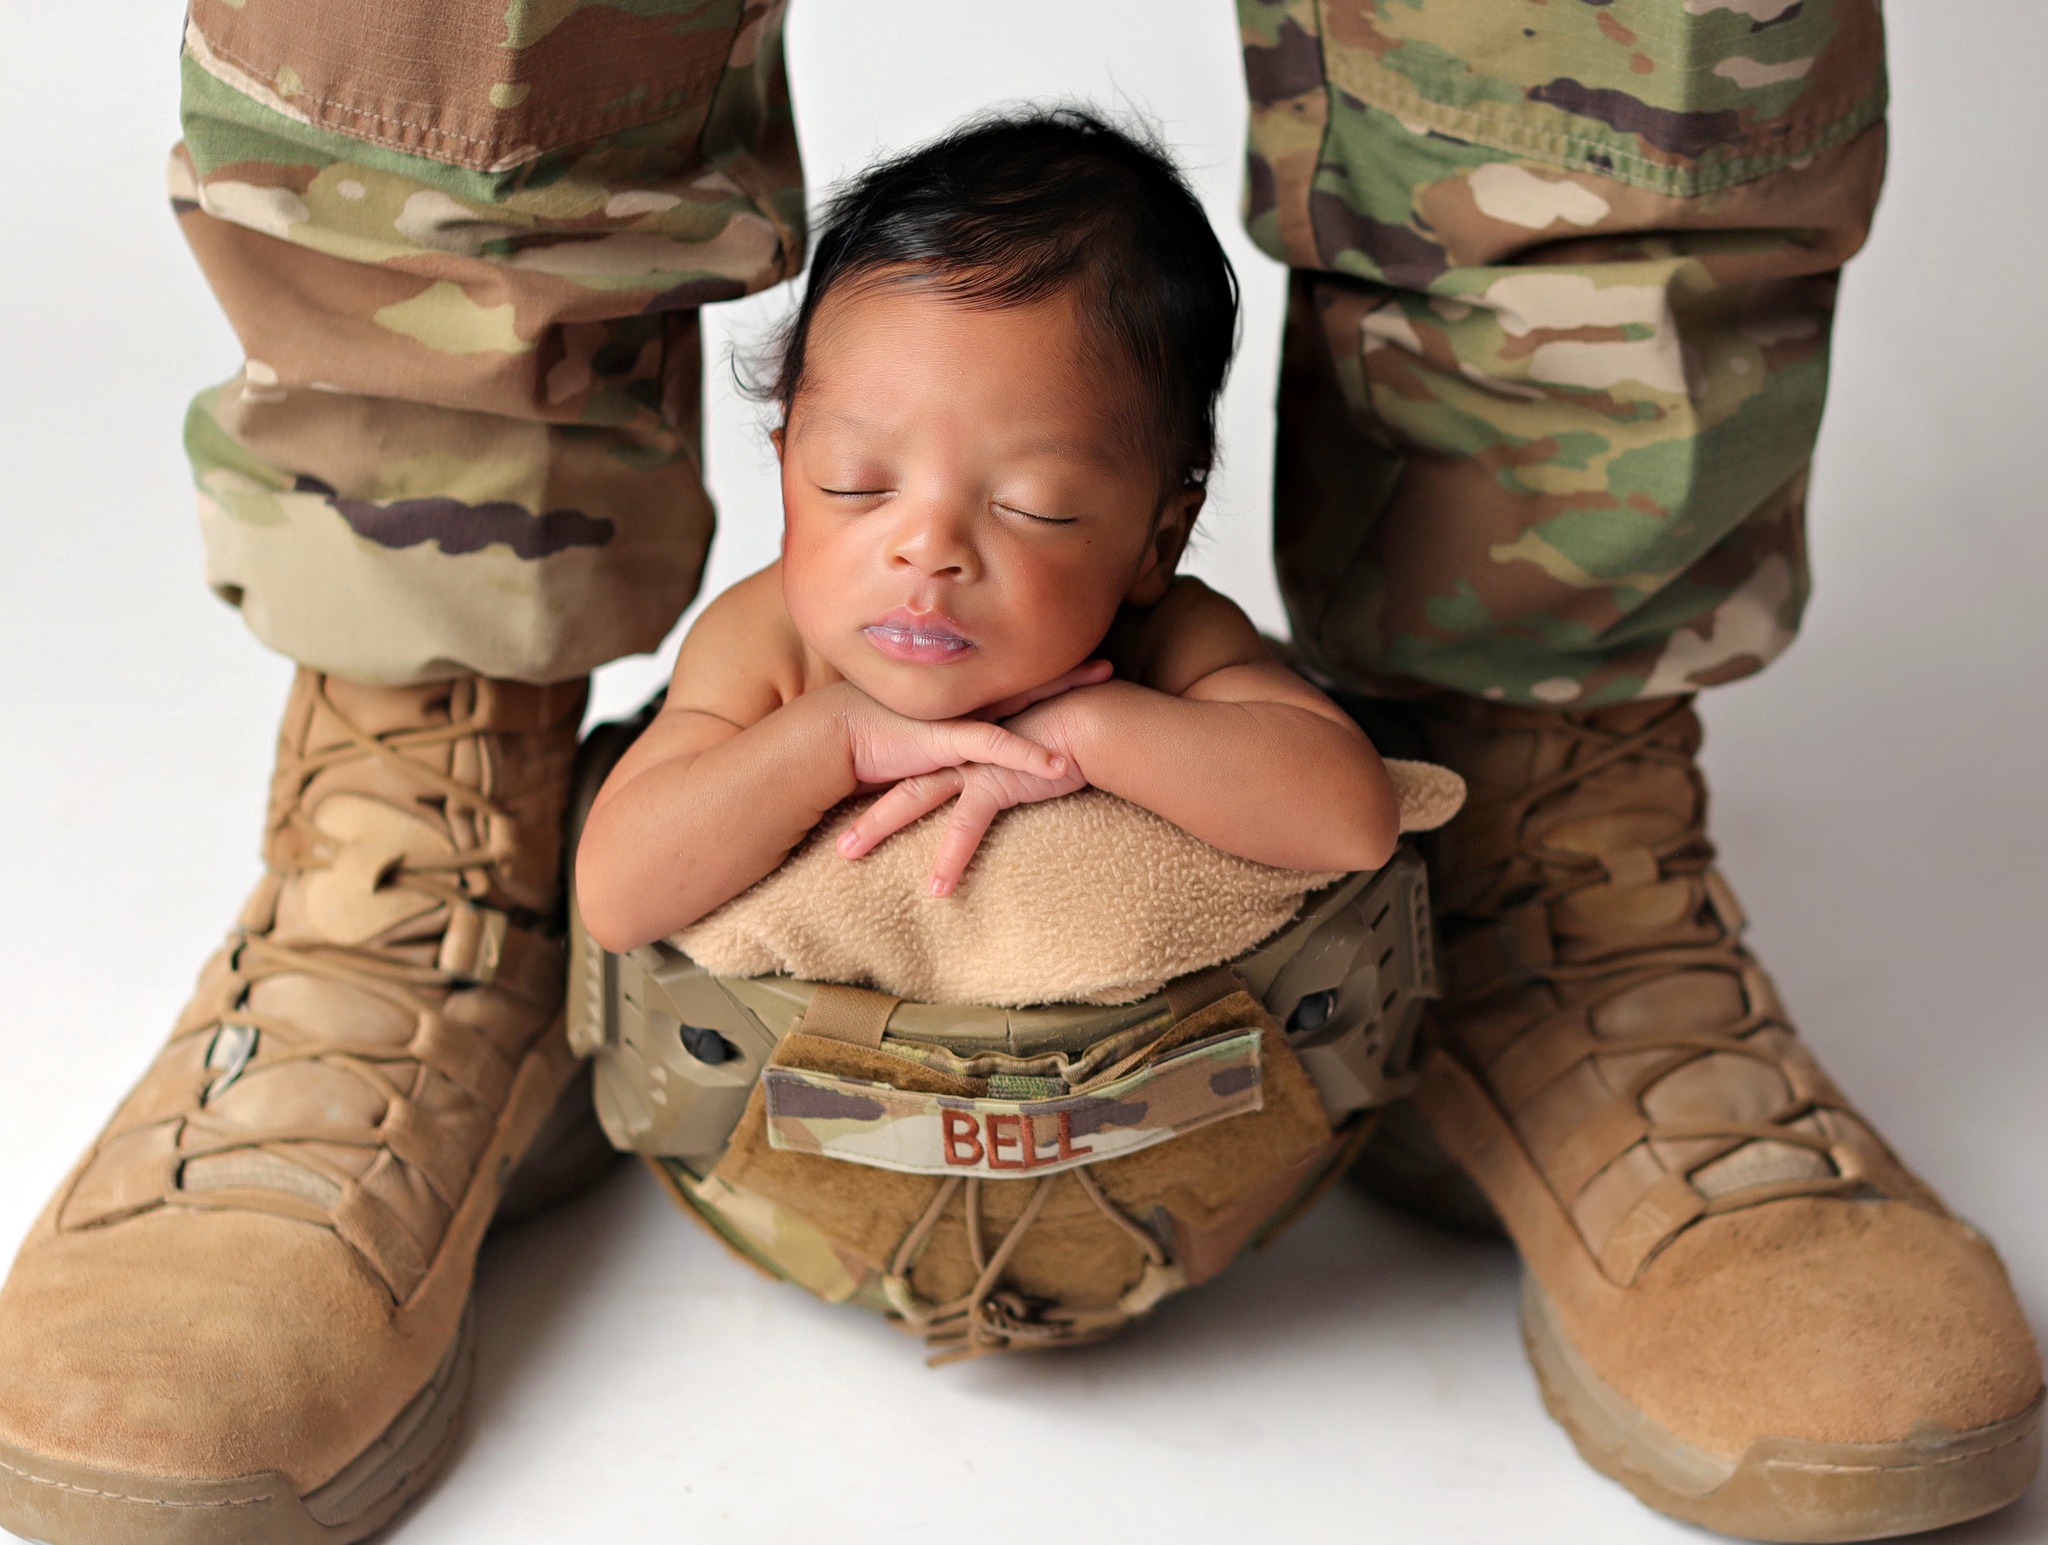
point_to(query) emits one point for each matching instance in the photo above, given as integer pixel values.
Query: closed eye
(1043, 520)
(853, 493)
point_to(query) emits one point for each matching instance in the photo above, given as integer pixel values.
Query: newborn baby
(998, 417)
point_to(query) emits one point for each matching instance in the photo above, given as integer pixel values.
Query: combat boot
(1737, 1300)
(243, 1317)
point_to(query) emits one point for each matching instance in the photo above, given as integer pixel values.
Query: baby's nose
(936, 541)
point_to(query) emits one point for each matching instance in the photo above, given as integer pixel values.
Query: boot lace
(294, 1168)
(1508, 941)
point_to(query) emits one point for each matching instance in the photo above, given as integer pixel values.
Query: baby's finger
(1088, 674)
(910, 800)
(1015, 703)
(971, 741)
(963, 834)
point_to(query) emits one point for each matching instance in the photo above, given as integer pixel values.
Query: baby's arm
(738, 767)
(1233, 747)
(1211, 733)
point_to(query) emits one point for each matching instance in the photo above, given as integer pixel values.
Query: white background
(1879, 795)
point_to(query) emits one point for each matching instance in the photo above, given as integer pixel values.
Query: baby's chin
(926, 701)
(929, 692)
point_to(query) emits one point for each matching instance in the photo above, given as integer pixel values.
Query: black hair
(1016, 206)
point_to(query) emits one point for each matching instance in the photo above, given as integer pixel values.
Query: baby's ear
(776, 437)
(1169, 540)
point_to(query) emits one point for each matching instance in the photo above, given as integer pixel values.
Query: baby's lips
(915, 646)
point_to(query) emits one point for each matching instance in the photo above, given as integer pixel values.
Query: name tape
(878, 1124)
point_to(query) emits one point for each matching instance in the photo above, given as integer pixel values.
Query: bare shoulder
(742, 658)
(1199, 644)
(1194, 632)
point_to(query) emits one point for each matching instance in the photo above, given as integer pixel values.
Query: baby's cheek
(1068, 622)
(813, 596)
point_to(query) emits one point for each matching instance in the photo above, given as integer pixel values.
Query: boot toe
(1803, 1371)
(201, 1346)
(1825, 1321)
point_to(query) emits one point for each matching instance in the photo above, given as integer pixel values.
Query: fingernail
(939, 886)
(1058, 765)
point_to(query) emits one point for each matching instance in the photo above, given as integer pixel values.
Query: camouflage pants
(1556, 348)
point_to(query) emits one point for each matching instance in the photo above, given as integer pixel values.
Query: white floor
(1880, 806)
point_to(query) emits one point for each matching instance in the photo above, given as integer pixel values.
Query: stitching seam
(122, 1496)
(249, 68)
(1323, 139)
(1824, 1467)
(1820, 128)
(572, 127)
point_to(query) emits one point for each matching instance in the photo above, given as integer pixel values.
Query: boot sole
(46, 1500)
(1791, 1490)
(1781, 1489)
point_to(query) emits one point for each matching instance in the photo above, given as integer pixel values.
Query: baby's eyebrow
(1069, 450)
(1100, 454)
(836, 416)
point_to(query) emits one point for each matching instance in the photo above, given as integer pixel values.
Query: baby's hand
(887, 747)
(984, 791)
(1085, 675)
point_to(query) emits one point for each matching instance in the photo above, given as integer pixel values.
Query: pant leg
(463, 244)
(1557, 334)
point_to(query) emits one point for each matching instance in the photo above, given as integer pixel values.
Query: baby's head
(999, 402)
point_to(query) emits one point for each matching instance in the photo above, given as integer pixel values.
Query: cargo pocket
(1364, 111)
(482, 86)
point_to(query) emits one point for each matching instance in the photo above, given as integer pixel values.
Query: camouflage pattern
(463, 246)
(1556, 346)
(1557, 337)
(1042, 1129)
(1095, 1243)
(778, 1240)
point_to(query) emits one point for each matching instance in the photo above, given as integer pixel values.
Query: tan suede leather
(1727, 1262)
(265, 1257)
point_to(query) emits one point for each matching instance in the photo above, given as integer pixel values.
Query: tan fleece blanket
(1086, 899)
